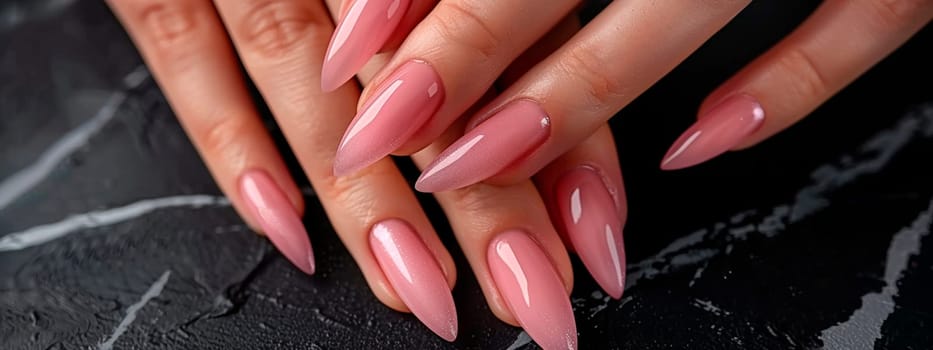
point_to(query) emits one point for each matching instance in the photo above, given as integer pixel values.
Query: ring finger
(566, 97)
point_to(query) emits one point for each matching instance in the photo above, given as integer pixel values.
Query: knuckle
(170, 33)
(171, 23)
(896, 13)
(599, 88)
(463, 26)
(221, 135)
(353, 192)
(274, 28)
(475, 199)
(805, 76)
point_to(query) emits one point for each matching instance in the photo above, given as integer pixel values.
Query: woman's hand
(505, 232)
(616, 57)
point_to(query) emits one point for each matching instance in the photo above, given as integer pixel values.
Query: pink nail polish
(415, 275)
(277, 217)
(532, 289)
(512, 133)
(362, 32)
(716, 132)
(401, 106)
(593, 224)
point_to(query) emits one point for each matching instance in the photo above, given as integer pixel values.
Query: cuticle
(485, 116)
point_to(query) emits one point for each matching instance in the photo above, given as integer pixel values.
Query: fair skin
(469, 47)
(281, 44)
(623, 51)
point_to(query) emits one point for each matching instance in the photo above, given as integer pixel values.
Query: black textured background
(818, 237)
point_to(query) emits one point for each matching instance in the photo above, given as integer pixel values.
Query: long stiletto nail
(359, 35)
(512, 133)
(278, 219)
(415, 275)
(593, 224)
(401, 106)
(716, 132)
(532, 290)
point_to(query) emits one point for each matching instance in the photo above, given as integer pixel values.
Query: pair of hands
(419, 100)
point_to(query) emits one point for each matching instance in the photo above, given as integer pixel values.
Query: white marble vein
(154, 291)
(863, 328)
(45, 233)
(690, 250)
(25, 179)
(871, 157)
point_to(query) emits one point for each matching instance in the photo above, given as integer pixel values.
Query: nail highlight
(717, 131)
(277, 218)
(401, 106)
(512, 133)
(532, 289)
(359, 35)
(415, 275)
(592, 222)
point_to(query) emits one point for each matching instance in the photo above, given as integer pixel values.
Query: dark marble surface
(113, 233)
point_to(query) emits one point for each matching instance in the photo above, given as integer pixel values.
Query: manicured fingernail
(716, 132)
(532, 290)
(415, 275)
(277, 218)
(359, 35)
(593, 224)
(401, 106)
(512, 133)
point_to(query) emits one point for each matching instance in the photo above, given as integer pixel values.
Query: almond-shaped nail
(415, 275)
(717, 131)
(592, 222)
(277, 218)
(401, 106)
(359, 35)
(532, 289)
(509, 135)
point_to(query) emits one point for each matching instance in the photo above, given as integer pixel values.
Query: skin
(581, 84)
(281, 44)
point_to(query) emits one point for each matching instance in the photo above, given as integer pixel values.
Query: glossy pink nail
(532, 289)
(716, 132)
(509, 135)
(277, 217)
(401, 106)
(415, 275)
(359, 35)
(592, 222)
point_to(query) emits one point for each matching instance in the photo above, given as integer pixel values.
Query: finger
(486, 216)
(483, 217)
(515, 254)
(839, 42)
(376, 216)
(566, 97)
(184, 44)
(366, 27)
(424, 89)
(585, 197)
